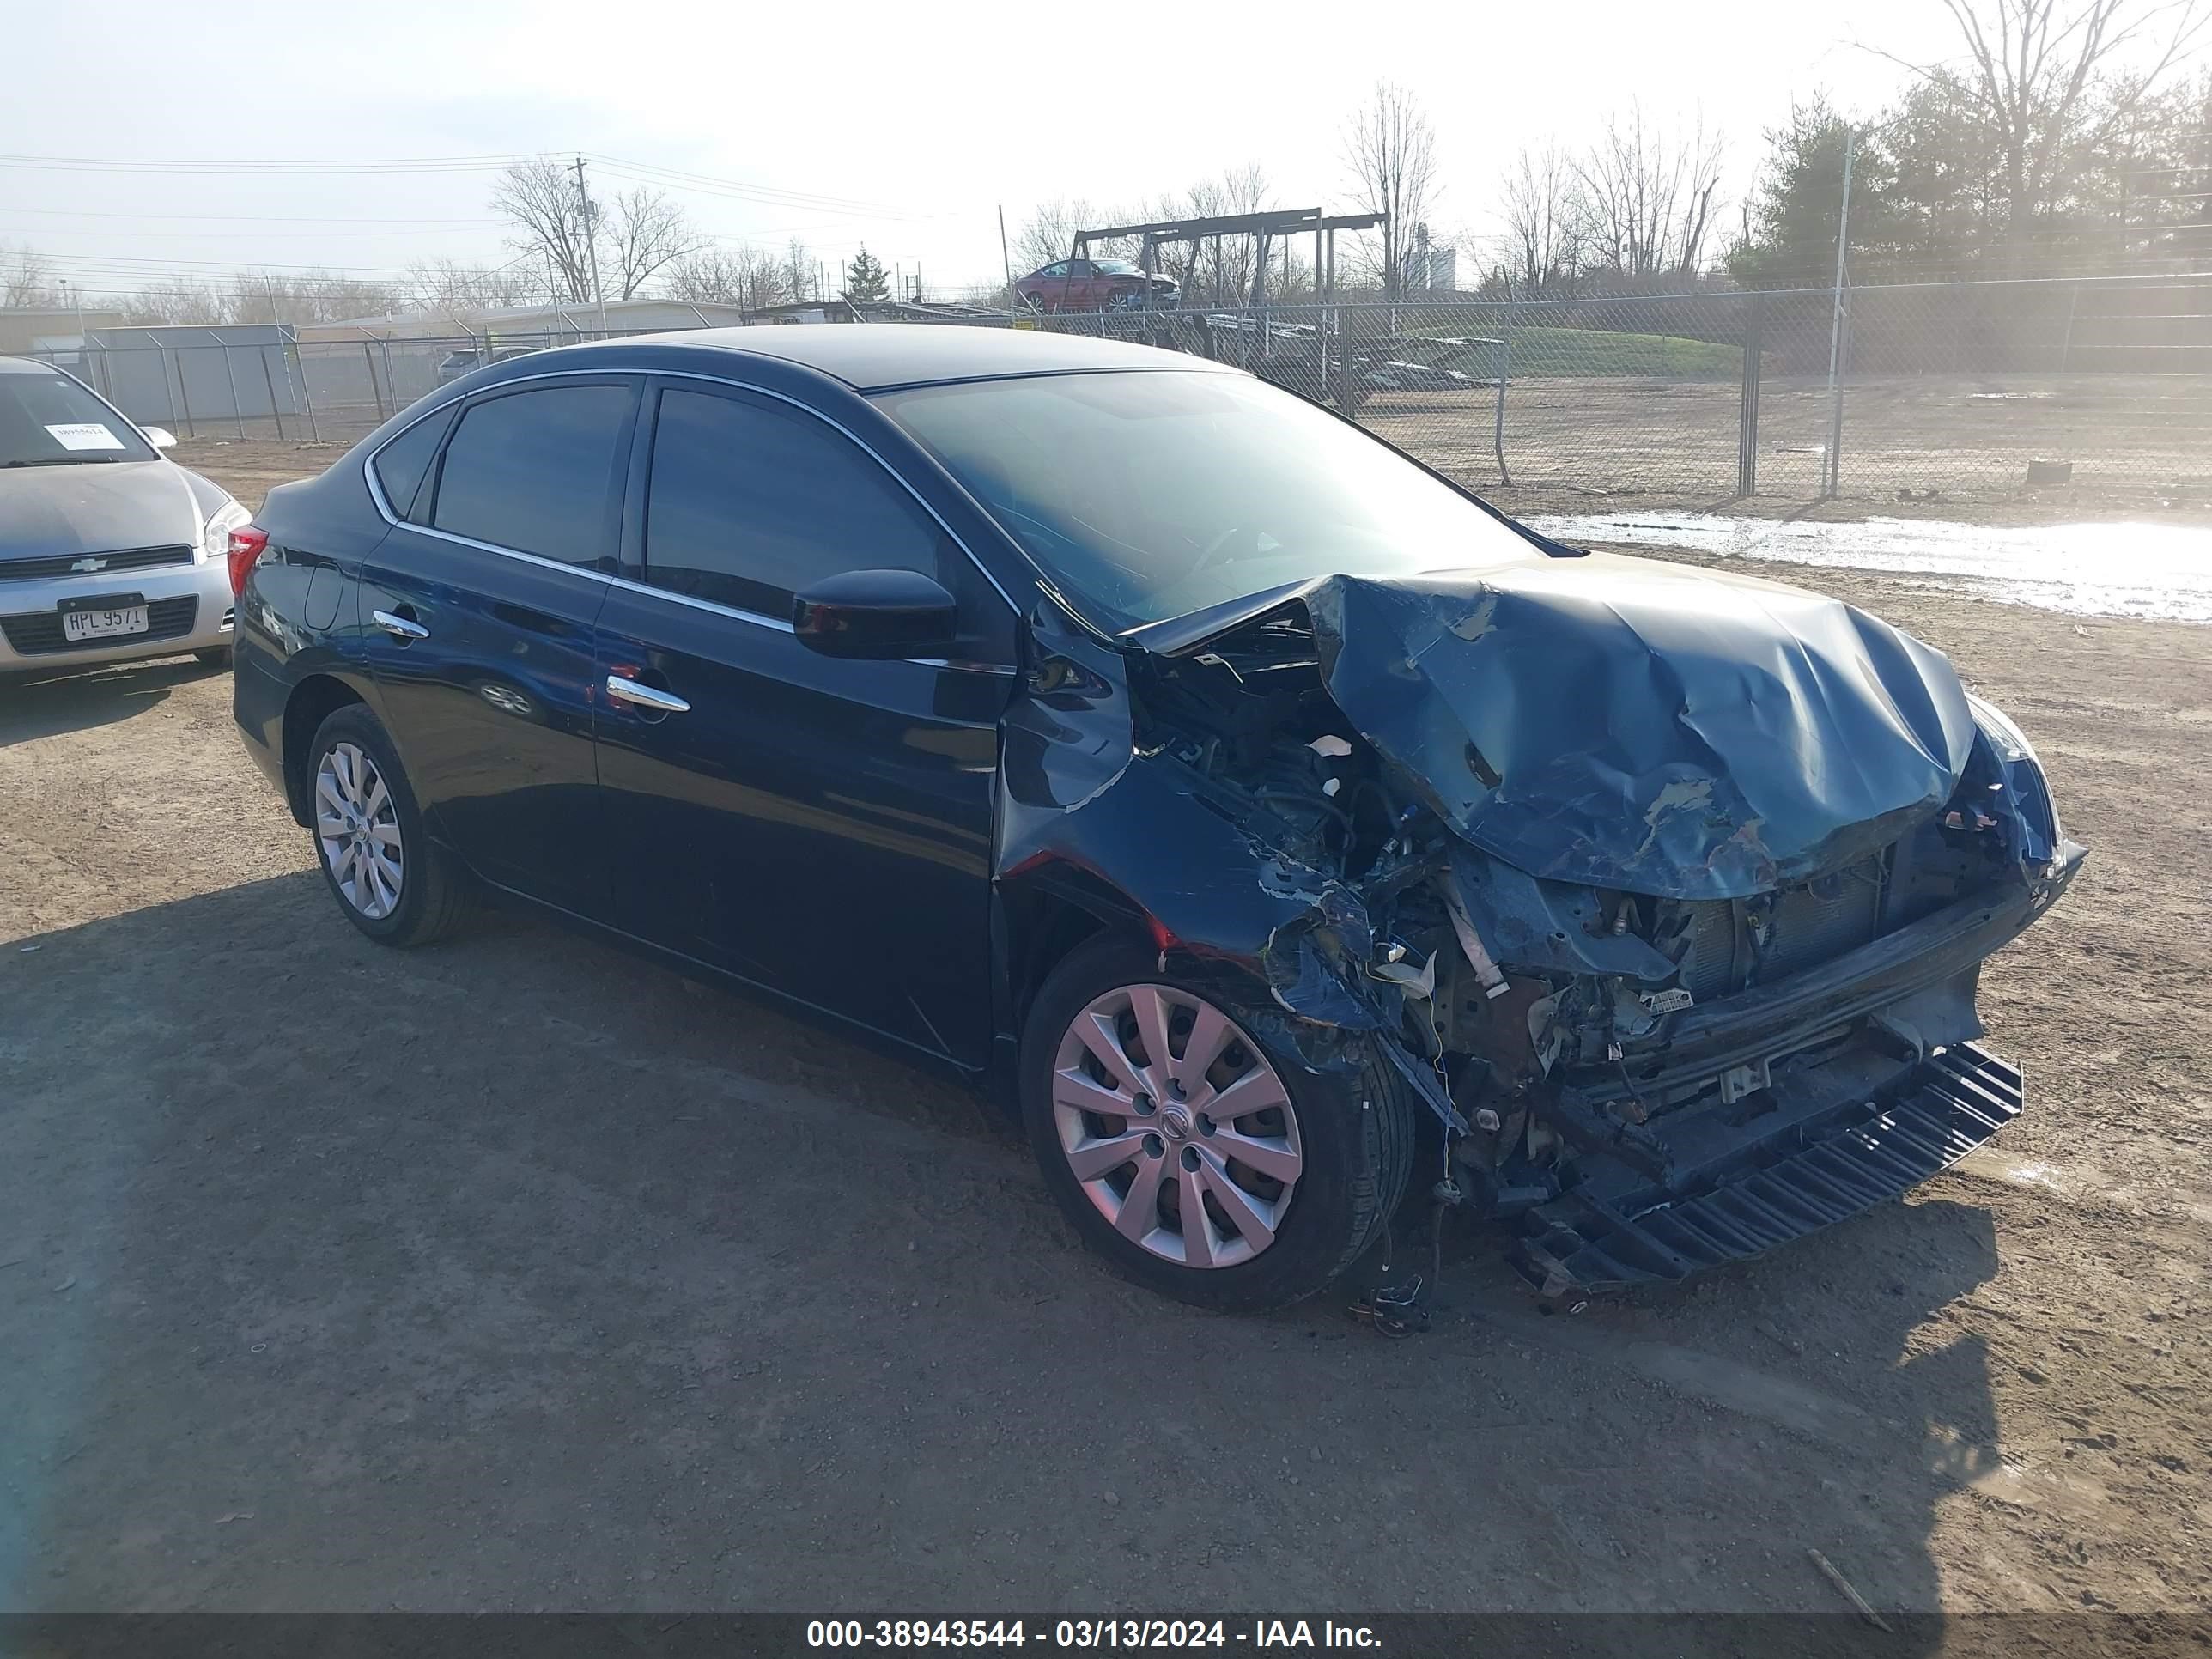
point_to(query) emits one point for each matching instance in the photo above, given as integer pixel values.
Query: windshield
(1117, 268)
(1148, 494)
(47, 419)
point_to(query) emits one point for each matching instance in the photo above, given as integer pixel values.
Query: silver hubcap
(1175, 1125)
(358, 825)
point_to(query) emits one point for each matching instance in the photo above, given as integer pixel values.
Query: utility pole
(1834, 456)
(1006, 259)
(591, 241)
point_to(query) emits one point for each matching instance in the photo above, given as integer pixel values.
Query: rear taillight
(246, 542)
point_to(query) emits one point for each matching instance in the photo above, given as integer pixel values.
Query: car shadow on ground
(36, 704)
(515, 1275)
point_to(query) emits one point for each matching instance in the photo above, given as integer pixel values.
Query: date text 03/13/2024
(1084, 1633)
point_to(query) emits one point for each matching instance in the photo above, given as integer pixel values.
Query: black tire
(1356, 1134)
(215, 656)
(435, 891)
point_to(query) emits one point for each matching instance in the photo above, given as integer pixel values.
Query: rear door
(477, 611)
(818, 826)
(1056, 286)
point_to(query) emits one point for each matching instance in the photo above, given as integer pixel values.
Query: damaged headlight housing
(2023, 773)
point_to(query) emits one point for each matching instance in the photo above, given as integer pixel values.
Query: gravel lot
(514, 1275)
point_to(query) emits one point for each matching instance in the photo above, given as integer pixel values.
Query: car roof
(874, 356)
(25, 366)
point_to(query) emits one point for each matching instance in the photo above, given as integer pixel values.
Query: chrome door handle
(398, 627)
(645, 696)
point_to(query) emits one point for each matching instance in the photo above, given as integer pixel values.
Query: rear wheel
(393, 882)
(1198, 1156)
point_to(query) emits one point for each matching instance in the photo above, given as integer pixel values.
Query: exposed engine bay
(1674, 936)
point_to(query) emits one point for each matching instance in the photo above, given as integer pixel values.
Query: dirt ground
(1941, 445)
(516, 1275)
(2137, 444)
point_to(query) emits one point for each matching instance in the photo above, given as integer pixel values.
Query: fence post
(1505, 369)
(1839, 353)
(161, 362)
(369, 357)
(293, 362)
(230, 379)
(269, 380)
(183, 391)
(1747, 441)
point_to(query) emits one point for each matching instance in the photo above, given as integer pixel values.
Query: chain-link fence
(2074, 393)
(1926, 397)
(211, 382)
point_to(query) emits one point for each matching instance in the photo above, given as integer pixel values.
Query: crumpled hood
(46, 511)
(1646, 725)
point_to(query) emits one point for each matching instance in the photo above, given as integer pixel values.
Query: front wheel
(392, 880)
(1195, 1152)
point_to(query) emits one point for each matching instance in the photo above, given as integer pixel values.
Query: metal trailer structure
(1264, 228)
(1338, 356)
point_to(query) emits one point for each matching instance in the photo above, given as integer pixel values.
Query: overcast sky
(904, 126)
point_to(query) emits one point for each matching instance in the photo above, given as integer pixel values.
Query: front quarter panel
(1085, 821)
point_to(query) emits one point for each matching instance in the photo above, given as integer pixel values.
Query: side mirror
(160, 436)
(875, 614)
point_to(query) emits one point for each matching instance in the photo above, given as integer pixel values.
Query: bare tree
(707, 275)
(1702, 154)
(1543, 220)
(25, 275)
(749, 277)
(2046, 76)
(318, 296)
(1219, 267)
(552, 223)
(645, 232)
(1050, 233)
(455, 291)
(577, 241)
(179, 300)
(799, 271)
(1647, 198)
(1390, 151)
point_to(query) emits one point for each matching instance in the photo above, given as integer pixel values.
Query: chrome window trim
(758, 618)
(384, 505)
(775, 624)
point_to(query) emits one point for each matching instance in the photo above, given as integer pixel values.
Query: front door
(820, 827)
(478, 612)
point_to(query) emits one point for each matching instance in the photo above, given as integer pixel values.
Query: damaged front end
(1666, 890)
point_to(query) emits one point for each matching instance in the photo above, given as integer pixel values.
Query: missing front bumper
(1778, 1189)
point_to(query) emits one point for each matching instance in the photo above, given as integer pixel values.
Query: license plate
(77, 625)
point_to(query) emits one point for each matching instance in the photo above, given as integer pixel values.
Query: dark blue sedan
(1253, 808)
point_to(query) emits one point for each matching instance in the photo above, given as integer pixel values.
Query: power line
(247, 218)
(166, 165)
(450, 227)
(707, 184)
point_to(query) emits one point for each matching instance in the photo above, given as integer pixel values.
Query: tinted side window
(537, 472)
(746, 505)
(400, 464)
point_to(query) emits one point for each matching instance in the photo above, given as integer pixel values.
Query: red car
(1090, 285)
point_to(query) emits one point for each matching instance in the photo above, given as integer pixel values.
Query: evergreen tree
(866, 279)
(1790, 223)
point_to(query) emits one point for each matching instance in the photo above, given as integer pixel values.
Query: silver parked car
(108, 550)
